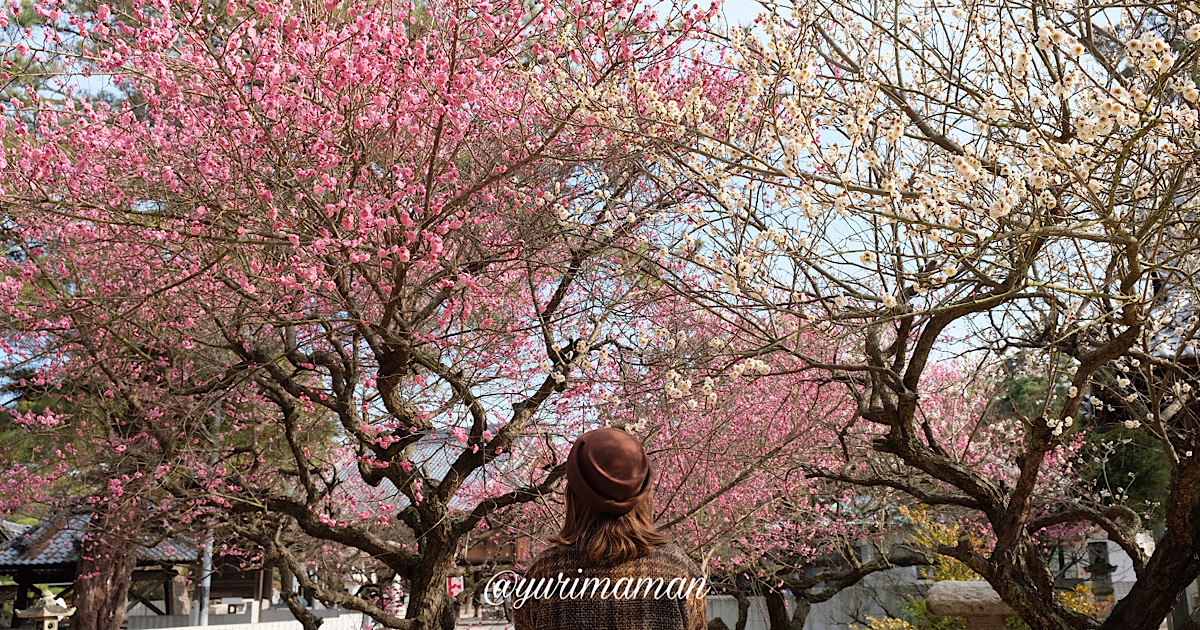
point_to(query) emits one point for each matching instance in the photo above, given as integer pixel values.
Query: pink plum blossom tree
(325, 270)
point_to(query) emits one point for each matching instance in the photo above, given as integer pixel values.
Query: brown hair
(609, 539)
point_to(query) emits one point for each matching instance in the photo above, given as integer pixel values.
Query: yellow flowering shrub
(929, 533)
(886, 623)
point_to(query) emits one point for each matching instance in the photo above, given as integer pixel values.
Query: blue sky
(741, 11)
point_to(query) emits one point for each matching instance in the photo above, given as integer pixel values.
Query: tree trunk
(777, 614)
(1172, 567)
(743, 609)
(800, 612)
(428, 600)
(1028, 588)
(1174, 564)
(102, 585)
(291, 599)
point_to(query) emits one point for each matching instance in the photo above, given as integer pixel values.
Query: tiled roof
(169, 551)
(55, 540)
(1176, 307)
(434, 454)
(1178, 311)
(10, 530)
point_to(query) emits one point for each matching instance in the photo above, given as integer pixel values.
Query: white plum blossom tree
(969, 180)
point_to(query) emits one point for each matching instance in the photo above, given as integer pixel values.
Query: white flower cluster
(1101, 114)
(1004, 202)
(1022, 63)
(1051, 37)
(709, 390)
(894, 130)
(967, 167)
(1151, 53)
(1187, 89)
(1057, 426)
(676, 340)
(677, 386)
(750, 366)
(993, 109)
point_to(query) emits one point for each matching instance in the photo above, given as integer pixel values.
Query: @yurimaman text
(508, 583)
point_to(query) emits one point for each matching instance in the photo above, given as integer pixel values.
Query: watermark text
(507, 584)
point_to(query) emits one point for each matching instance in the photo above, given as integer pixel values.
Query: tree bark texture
(102, 585)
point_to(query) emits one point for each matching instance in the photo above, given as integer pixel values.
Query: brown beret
(609, 470)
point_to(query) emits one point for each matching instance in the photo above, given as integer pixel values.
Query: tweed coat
(568, 594)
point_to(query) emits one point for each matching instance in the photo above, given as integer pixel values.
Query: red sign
(455, 584)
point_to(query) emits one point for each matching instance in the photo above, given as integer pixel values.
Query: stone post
(179, 597)
(976, 601)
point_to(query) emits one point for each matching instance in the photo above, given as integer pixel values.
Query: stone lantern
(48, 610)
